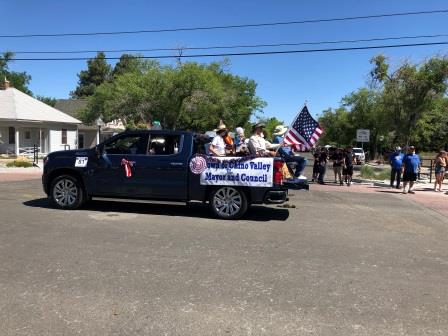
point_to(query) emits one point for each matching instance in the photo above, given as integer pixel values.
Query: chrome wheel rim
(227, 202)
(65, 192)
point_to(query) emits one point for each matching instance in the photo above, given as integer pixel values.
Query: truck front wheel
(228, 203)
(66, 192)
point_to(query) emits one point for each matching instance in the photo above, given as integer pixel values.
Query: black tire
(228, 202)
(67, 192)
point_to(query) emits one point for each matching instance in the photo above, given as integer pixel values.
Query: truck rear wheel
(66, 192)
(228, 202)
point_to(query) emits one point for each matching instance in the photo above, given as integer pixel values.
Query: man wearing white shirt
(218, 146)
(258, 145)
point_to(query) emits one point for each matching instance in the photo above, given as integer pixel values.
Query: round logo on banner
(198, 165)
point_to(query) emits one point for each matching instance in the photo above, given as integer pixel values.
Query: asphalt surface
(337, 264)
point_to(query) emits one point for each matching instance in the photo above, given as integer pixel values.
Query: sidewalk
(424, 193)
(20, 174)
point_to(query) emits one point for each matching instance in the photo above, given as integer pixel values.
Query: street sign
(363, 135)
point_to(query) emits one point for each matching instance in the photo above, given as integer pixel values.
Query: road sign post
(362, 135)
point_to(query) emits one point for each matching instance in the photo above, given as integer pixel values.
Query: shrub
(367, 172)
(375, 174)
(19, 163)
(384, 174)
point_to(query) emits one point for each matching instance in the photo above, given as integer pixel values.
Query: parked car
(161, 166)
(360, 156)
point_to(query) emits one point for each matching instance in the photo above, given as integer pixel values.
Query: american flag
(304, 131)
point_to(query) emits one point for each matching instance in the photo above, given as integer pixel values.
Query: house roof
(16, 105)
(73, 107)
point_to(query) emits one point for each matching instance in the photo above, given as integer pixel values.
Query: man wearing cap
(287, 153)
(258, 145)
(410, 169)
(218, 146)
(396, 161)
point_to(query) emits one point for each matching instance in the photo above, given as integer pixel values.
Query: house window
(64, 136)
(12, 135)
(27, 135)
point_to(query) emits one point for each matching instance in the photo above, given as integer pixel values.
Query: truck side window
(162, 144)
(127, 144)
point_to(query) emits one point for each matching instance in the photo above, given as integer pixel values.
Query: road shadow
(388, 191)
(430, 190)
(255, 213)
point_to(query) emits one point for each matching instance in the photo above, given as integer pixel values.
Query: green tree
(187, 95)
(339, 131)
(98, 71)
(432, 129)
(127, 63)
(270, 123)
(409, 92)
(367, 112)
(18, 80)
(47, 100)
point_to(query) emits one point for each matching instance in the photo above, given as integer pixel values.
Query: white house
(26, 122)
(89, 135)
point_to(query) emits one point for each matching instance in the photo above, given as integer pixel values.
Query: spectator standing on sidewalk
(411, 167)
(316, 155)
(322, 164)
(396, 162)
(348, 165)
(338, 161)
(440, 164)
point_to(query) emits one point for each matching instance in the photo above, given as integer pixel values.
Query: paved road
(337, 264)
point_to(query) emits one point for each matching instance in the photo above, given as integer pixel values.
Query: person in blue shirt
(410, 169)
(287, 153)
(396, 162)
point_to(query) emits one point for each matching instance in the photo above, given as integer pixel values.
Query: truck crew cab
(149, 165)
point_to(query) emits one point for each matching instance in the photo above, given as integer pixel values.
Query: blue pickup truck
(167, 166)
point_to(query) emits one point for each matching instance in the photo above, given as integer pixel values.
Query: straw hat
(220, 128)
(280, 130)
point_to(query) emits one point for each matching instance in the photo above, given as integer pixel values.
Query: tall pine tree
(98, 71)
(127, 63)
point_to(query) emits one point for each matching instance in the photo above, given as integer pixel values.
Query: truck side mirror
(99, 150)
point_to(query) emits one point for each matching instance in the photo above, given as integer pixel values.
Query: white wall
(89, 138)
(56, 138)
(54, 131)
(34, 137)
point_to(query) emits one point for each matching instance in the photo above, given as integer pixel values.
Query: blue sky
(284, 81)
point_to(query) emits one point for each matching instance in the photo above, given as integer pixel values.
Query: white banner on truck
(257, 172)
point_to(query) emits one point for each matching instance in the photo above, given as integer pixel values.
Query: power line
(232, 46)
(282, 23)
(246, 53)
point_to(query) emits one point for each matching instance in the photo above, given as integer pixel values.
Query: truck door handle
(176, 163)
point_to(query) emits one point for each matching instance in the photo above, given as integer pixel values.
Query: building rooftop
(16, 105)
